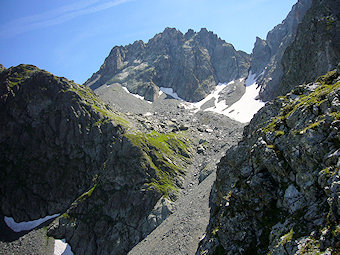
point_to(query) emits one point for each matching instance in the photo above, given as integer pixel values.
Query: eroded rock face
(267, 54)
(319, 33)
(278, 190)
(64, 151)
(50, 138)
(192, 64)
(126, 203)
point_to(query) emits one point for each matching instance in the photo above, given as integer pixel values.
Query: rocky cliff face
(267, 54)
(192, 64)
(64, 151)
(277, 192)
(319, 33)
(48, 132)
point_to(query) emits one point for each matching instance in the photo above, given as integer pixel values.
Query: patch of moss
(330, 22)
(88, 97)
(19, 74)
(66, 216)
(286, 238)
(215, 230)
(336, 231)
(273, 124)
(279, 133)
(87, 194)
(270, 146)
(166, 154)
(311, 126)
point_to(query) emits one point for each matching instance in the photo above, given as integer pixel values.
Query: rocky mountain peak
(2, 68)
(189, 34)
(267, 55)
(260, 56)
(191, 64)
(319, 32)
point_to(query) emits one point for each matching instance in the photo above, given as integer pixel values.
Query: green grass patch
(20, 74)
(286, 238)
(87, 194)
(91, 99)
(167, 154)
(279, 133)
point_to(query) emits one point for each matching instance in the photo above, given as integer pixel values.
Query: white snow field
(136, 95)
(249, 104)
(26, 225)
(62, 248)
(243, 110)
(170, 92)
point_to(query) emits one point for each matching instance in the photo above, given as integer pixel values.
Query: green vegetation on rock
(167, 154)
(88, 96)
(20, 75)
(314, 98)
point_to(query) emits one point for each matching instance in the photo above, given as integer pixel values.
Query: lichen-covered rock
(192, 64)
(277, 192)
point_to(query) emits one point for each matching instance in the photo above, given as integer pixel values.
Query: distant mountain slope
(192, 64)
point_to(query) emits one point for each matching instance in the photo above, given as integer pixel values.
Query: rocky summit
(267, 54)
(116, 167)
(192, 64)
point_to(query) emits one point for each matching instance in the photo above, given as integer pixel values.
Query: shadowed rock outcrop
(64, 151)
(51, 136)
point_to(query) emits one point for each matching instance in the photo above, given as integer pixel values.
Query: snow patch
(251, 79)
(62, 248)
(249, 104)
(170, 92)
(26, 225)
(147, 114)
(136, 95)
(243, 110)
(214, 94)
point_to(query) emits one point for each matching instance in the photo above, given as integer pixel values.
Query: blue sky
(71, 38)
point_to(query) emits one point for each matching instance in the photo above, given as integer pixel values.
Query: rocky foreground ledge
(278, 191)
